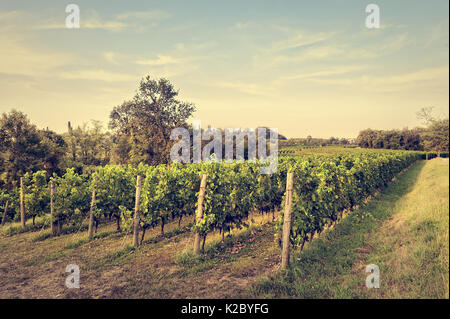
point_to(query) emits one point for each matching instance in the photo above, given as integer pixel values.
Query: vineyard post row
(287, 221)
(22, 203)
(5, 212)
(91, 212)
(52, 194)
(292, 211)
(199, 216)
(136, 212)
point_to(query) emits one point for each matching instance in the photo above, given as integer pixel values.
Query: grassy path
(403, 230)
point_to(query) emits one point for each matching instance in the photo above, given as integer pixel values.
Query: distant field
(293, 150)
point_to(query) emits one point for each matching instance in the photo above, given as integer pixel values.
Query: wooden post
(91, 211)
(52, 221)
(287, 221)
(201, 197)
(5, 212)
(136, 212)
(22, 203)
(427, 156)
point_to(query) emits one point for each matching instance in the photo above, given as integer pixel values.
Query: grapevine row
(324, 187)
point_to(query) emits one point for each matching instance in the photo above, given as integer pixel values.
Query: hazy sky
(304, 67)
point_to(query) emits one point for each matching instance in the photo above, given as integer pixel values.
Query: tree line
(138, 132)
(433, 137)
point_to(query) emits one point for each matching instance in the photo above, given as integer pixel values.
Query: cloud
(160, 60)
(313, 53)
(299, 40)
(247, 87)
(10, 15)
(427, 78)
(143, 15)
(97, 23)
(332, 71)
(137, 20)
(91, 20)
(20, 59)
(438, 34)
(110, 57)
(97, 75)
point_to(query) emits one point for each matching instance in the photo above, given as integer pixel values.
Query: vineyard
(144, 197)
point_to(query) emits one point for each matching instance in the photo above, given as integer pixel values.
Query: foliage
(36, 194)
(115, 188)
(392, 139)
(143, 125)
(88, 145)
(325, 186)
(72, 198)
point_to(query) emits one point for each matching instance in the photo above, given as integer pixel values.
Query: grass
(43, 235)
(412, 247)
(403, 230)
(41, 222)
(81, 241)
(217, 252)
(115, 257)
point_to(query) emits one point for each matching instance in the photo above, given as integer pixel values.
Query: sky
(304, 67)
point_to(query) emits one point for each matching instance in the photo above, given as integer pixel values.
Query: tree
(20, 147)
(54, 150)
(393, 139)
(88, 145)
(148, 119)
(366, 138)
(436, 136)
(426, 115)
(37, 199)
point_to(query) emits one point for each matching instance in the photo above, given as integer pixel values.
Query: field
(403, 229)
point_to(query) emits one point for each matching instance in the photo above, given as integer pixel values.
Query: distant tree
(436, 136)
(332, 140)
(366, 138)
(88, 145)
(392, 139)
(54, 150)
(426, 115)
(121, 151)
(20, 147)
(411, 140)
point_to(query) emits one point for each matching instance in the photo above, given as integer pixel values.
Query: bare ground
(110, 269)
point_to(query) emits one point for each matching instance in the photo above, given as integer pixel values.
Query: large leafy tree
(147, 120)
(20, 147)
